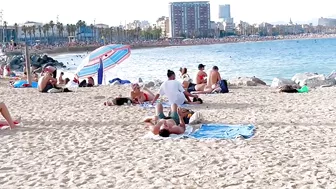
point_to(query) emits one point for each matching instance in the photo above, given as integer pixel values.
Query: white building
(163, 23)
(224, 12)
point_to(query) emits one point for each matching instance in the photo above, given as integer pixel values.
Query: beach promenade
(75, 48)
(71, 140)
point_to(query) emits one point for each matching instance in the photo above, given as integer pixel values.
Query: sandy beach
(71, 140)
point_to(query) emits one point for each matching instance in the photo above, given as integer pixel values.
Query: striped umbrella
(110, 55)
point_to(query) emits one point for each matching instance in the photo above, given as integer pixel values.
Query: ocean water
(265, 60)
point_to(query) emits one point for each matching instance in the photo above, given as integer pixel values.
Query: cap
(49, 69)
(201, 66)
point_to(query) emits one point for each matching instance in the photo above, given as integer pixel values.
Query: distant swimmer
(230, 57)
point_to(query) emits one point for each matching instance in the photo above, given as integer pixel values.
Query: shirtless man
(46, 82)
(174, 124)
(201, 75)
(60, 79)
(213, 82)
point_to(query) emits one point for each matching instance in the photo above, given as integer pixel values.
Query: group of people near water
(177, 93)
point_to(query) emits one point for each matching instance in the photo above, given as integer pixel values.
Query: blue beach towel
(220, 131)
(123, 82)
(164, 104)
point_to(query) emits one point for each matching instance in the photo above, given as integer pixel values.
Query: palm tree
(92, 30)
(5, 31)
(25, 29)
(58, 26)
(40, 31)
(16, 28)
(46, 29)
(33, 28)
(68, 29)
(29, 29)
(51, 24)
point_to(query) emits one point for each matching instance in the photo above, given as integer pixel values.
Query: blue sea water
(265, 60)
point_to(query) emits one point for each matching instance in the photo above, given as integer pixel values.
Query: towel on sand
(221, 131)
(187, 132)
(164, 104)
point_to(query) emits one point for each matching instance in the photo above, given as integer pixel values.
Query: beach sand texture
(71, 140)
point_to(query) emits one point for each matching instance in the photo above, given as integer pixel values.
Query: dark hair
(25, 73)
(62, 73)
(67, 80)
(170, 73)
(184, 70)
(215, 68)
(164, 133)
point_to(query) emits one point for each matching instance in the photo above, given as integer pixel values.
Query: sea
(265, 60)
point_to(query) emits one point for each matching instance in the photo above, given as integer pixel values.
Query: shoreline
(89, 48)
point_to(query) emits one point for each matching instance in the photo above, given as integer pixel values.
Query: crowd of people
(177, 93)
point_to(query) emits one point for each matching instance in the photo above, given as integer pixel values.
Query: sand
(71, 140)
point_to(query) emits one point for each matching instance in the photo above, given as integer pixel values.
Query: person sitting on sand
(47, 81)
(174, 91)
(187, 82)
(5, 113)
(89, 83)
(213, 82)
(139, 96)
(173, 124)
(201, 75)
(66, 81)
(60, 79)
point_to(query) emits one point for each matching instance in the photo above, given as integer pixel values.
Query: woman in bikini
(139, 96)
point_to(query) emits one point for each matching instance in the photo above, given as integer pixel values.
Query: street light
(3, 27)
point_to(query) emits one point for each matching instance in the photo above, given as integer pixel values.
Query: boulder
(246, 81)
(149, 84)
(280, 82)
(300, 77)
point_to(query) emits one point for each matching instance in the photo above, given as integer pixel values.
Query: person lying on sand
(213, 82)
(174, 91)
(139, 96)
(173, 124)
(5, 113)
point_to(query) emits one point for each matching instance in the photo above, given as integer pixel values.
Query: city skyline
(129, 10)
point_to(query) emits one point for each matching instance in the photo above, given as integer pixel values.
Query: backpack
(224, 86)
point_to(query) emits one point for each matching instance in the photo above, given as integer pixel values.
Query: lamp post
(3, 27)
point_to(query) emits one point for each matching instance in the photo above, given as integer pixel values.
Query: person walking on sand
(174, 91)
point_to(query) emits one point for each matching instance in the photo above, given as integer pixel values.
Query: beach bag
(224, 86)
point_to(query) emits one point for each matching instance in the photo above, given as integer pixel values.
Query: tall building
(189, 19)
(163, 23)
(224, 12)
(327, 22)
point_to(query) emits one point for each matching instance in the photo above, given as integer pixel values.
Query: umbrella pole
(29, 79)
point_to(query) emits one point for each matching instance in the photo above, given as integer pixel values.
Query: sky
(115, 12)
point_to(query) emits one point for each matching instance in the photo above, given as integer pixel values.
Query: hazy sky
(114, 12)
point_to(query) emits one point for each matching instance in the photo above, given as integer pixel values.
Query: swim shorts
(173, 116)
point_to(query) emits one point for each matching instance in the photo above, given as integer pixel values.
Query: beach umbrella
(100, 71)
(110, 56)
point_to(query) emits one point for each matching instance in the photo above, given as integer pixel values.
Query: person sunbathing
(5, 113)
(213, 82)
(139, 96)
(173, 124)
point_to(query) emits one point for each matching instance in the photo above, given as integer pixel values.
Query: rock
(280, 82)
(246, 81)
(18, 61)
(300, 77)
(149, 84)
(314, 80)
(157, 83)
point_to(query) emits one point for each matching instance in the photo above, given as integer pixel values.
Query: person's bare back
(44, 81)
